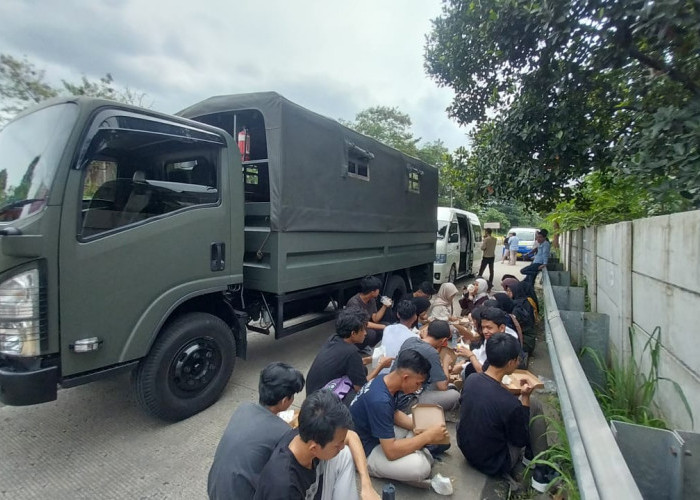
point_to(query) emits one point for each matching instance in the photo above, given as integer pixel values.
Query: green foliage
(492, 214)
(558, 457)
(393, 128)
(603, 198)
(563, 89)
(388, 125)
(628, 393)
(22, 84)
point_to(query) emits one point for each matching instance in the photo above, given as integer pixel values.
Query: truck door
(145, 225)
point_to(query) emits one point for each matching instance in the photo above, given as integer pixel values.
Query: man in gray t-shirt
(433, 339)
(244, 450)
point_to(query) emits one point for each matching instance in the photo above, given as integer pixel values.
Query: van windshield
(442, 229)
(30, 149)
(525, 235)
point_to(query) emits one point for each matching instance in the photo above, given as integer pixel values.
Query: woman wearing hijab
(477, 294)
(442, 303)
(523, 312)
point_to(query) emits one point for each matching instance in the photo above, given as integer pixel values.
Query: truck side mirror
(454, 238)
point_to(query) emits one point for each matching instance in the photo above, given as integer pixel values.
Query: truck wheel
(187, 369)
(395, 288)
(452, 277)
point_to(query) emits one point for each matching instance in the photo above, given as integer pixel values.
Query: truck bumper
(28, 387)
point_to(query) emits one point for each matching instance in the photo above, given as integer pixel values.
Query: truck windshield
(30, 148)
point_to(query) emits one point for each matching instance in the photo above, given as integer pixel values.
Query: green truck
(137, 241)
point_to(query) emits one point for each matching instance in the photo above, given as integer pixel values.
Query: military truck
(137, 241)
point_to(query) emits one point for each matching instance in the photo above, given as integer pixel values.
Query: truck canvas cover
(311, 160)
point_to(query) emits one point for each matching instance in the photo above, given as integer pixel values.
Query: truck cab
(116, 224)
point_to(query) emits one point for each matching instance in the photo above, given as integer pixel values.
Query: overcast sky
(335, 58)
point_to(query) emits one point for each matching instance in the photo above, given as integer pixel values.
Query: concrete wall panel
(652, 280)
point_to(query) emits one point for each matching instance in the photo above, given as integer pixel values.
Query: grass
(628, 393)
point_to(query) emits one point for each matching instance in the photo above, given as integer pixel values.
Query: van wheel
(395, 288)
(452, 277)
(188, 367)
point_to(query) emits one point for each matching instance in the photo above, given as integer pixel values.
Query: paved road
(94, 442)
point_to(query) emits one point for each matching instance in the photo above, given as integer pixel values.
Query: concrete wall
(646, 273)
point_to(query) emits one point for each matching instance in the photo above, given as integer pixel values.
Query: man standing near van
(489, 248)
(513, 243)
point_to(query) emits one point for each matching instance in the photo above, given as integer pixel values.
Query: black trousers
(484, 262)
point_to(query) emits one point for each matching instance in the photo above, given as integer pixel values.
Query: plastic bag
(441, 485)
(377, 354)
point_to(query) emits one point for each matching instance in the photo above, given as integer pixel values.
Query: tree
(392, 127)
(388, 125)
(22, 84)
(491, 214)
(562, 89)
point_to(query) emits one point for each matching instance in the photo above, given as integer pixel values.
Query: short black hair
(322, 414)
(493, 314)
(405, 309)
(490, 303)
(488, 230)
(414, 361)
(439, 329)
(501, 348)
(422, 304)
(544, 232)
(278, 381)
(505, 276)
(350, 320)
(504, 302)
(369, 284)
(427, 288)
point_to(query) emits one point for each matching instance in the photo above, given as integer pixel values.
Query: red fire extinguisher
(244, 144)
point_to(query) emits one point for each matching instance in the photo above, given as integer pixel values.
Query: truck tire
(395, 288)
(187, 369)
(452, 277)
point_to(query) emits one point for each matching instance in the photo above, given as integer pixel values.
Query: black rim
(194, 366)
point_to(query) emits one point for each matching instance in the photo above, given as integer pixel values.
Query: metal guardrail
(601, 471)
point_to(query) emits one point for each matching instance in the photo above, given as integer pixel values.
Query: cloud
(334, 58)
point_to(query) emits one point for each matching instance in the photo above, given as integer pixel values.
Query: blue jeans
(530, 271)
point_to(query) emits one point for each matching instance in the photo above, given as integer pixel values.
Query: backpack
(535, 311)
(340, 386)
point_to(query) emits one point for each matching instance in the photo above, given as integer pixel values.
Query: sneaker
(527, 457)
(437, 449)
(542, 477)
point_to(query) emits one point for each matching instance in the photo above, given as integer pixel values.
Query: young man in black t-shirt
(312, 461)
(496, 425)
(339, 356)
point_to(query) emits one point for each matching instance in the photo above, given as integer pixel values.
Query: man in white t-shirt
(396, 334)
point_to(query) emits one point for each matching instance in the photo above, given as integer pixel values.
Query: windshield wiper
(19, 203)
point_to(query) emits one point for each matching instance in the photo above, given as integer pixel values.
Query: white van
(457, 229)
(526, 239)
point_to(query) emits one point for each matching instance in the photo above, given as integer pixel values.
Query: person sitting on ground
(436, 389)
(442, 304)
(509, 279)
(392, 450)
(492, 321)
(495, 426)
(524, 313)
(474, 295)
(243, 449)
(425, 290)
(395, 335)
(541, 257)
(339, 357)
(366, 300)
(422, 307)
(312, 461)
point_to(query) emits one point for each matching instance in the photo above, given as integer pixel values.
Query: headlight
(441, 258)
(20, 315)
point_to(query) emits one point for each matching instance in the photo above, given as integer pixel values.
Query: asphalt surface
(94, 441)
